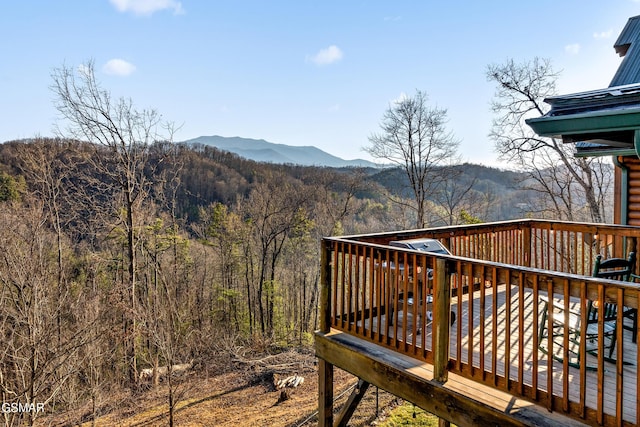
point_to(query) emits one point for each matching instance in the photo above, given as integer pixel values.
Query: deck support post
(325, 393)
(441, 308)
(325, 369)
(352, 403)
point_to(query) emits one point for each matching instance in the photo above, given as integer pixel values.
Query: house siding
(632, 192)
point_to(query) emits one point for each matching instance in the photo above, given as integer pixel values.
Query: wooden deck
(496, 341)
(530, 355)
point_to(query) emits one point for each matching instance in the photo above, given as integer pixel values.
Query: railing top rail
(444, 229)
(447, 231)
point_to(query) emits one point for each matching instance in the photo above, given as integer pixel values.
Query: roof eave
(588, 122)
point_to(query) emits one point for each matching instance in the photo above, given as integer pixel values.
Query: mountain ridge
(264, 151)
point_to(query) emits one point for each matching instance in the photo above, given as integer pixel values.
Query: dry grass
(244, 396)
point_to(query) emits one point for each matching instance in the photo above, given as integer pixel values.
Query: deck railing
(496, 284)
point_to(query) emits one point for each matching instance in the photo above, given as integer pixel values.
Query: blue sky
(298, 72)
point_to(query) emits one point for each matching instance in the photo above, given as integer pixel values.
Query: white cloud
(118, 67)
(147, 7)
(326, 56)
(603, 34)
(572, 49)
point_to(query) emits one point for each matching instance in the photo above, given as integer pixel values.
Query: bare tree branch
(414, 137)
(553, 169)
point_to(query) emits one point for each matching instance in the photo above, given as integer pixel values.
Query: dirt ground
(243, 396)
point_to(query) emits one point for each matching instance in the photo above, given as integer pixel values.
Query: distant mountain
(268, 152)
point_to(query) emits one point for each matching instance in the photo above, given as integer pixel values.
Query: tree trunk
(171, 399)
(131, 320)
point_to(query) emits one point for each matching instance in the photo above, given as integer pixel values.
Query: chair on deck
(618, 269)
(614, 269)
(571, 319)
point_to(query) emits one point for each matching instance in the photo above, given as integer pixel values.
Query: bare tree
(566, 182)
(125, 133)
(166, 312)
(36, 363)
(414, 137)
(48, 165)
(335, 195)
(274, 209)
(454, 194)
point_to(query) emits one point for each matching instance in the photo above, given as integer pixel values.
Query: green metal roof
(628, 45)
(593, 114)
(602, 121)
(596, 122)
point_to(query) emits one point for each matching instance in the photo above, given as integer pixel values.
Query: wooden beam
(325, 394)
(459, 401)
(352, 404)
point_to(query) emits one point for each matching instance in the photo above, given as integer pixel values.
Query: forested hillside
(203, 252)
